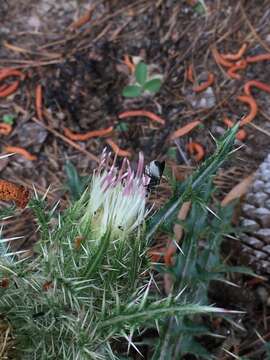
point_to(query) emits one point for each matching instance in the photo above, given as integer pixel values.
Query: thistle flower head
(117, 196)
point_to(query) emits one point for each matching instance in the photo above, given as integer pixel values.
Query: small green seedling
(8, 119)
(122, 127)
(143, 83)
(201, 7)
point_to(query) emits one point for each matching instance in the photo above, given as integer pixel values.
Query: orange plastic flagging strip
(257, 58)
(255, 83)
(240, 65)
(3, 87)
(241, 134)
(129, 63)
(197, 149)
(82, 20)
(237, 55)
(7, 72)
(190, 72)
(88, 135)
(220, 59)
(10, 89)
(253, 108)
(20, 151)
(5, 129)
(205, 84)
(39, 101)
(145, 113)
(18, 193)
(6, 90)
(184, 130)
(117, 150)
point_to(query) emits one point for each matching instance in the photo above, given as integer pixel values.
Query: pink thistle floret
(117, 196)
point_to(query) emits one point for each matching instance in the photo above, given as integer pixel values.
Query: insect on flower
(154, 171)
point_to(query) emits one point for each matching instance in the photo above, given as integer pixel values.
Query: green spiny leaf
(96, 259)
(75, 183)
(192, 185)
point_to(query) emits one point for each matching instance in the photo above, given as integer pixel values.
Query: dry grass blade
(172, 247)
(260, 129)
(252, 29)
(6, 341)
(238, 190)
(57, 134)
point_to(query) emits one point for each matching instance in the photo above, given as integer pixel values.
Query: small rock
(258, 185)
(61, 115)
(205, 100)
(263, 293)
(250, 198)
(265, 166)
(267, 204)
(263, 214)
(266, 175)
(249, 210)
(260, 255)
(266, 248)
(260, 197)
(34, 22)
(264, 234)
(252, 241)
(249, 225)
(31, 134)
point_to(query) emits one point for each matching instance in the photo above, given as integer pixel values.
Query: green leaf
(153, 85)
(141, 73)
(136, 316)
(8, 119)
(122, 126)
(75, 183)
(132, 91)
(235, 269)
(95, 261)
(195, 182)
(191, 346)
(199, 8)
(172, 153)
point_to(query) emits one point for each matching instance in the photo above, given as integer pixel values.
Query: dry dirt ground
(82, 73)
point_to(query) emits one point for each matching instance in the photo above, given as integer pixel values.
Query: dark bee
(154, 171)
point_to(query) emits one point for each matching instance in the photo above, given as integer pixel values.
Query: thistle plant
(89, 284)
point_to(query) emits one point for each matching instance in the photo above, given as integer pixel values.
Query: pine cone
(255, 220)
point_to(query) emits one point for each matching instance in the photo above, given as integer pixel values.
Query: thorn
(46, 193)
(35, 191)
(180, 293)
(178, 247)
